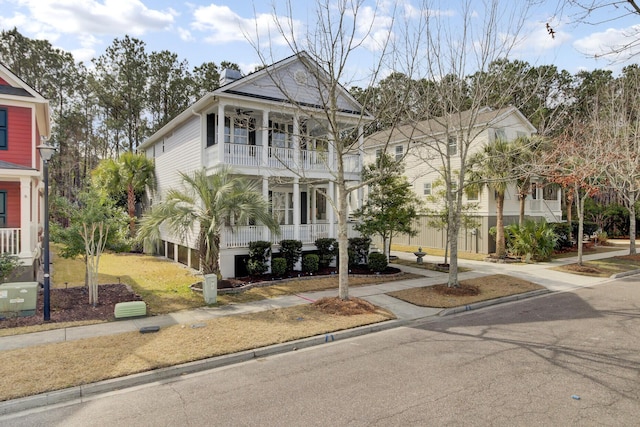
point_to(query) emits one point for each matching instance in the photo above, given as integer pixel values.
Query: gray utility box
(210, 288)
(18, 299)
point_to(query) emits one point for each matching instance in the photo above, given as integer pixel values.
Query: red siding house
(24, 122)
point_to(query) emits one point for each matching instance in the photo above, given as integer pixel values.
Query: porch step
(130, 309)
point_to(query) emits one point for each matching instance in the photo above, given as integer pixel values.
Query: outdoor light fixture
(46, 152)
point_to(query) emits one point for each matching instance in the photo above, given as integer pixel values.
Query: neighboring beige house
(410, 144)
(273, 136)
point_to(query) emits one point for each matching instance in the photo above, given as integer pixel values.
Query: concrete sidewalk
(539, 273)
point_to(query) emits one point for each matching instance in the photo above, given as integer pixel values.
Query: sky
(205, 30)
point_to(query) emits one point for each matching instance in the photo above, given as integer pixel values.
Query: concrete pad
(403, 310)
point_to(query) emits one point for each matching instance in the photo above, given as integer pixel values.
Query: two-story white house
(270, 126)
(411, 145)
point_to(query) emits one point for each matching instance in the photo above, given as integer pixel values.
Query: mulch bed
(350, 307)
(72, 304)
(241, 281)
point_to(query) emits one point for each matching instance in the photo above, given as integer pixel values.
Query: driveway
(570, 358)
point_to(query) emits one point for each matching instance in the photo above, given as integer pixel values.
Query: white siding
(182, 153)
(295, 88)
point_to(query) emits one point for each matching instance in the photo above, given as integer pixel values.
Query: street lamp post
(46, 152)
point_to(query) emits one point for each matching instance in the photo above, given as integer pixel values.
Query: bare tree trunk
(632, 229)
(343, 244)
(500, 243)
(580, 207)
(523, 200)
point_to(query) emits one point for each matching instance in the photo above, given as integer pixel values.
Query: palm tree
(131, 174)
(208, 204)
(493, 167)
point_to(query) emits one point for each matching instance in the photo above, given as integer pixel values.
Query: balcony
(240, 237)
(10, 241)
(280, 158)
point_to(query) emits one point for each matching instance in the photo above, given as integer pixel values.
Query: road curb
(78, 393)
(624, 274)
(482, 304)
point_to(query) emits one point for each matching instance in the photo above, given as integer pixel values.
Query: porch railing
(240, 237)
(242, 155)
(281, 158)
(10, 241)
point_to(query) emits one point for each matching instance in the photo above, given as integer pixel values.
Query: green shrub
(588, 228)
(358, 250)
(278, 267)
(562, 233)
(602, 238)
(534, 240)
(255, 267)
(291, 251)
(377, 262)
(8, 263)
(310, 263)
(259, 254)
(327, 250)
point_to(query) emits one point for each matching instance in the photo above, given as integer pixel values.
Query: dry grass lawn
(489, 287)
(89, 360)
(306, 285)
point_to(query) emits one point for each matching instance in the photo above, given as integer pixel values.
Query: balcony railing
(240, 237)
(281, 158)
(10, 241)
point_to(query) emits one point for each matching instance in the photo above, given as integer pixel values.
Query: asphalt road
(562, 359)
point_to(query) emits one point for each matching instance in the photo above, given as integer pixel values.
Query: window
(280, 135)
(3, 209)
(240, 130)
(399, 152)
(3, 129)
(452, 143)
(501, 134)
(472, 195)
(454, 187)
(378, 153)
(426, 189)
(211, 130)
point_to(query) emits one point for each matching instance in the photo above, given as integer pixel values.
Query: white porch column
(296, 144)
(221, 133)
(26, 247)
(296, 208)
(312, 193)
(331, 215)
(265, 194)
(360, 147)
(265, 138)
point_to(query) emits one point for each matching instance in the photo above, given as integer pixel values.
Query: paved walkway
(540, 273)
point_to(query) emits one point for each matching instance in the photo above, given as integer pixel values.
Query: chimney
(229, 75)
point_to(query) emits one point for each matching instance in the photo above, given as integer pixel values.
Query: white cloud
(94, 16)
(185, 34)
(535, 39)
(612, 39)
(224, 25)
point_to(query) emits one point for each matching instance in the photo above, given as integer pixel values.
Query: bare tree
(454, 47)
(575, 163)
(616, 124)
(597, 12)
(342, 29)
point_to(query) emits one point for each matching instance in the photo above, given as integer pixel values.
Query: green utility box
(130, 309)
(18, 299)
